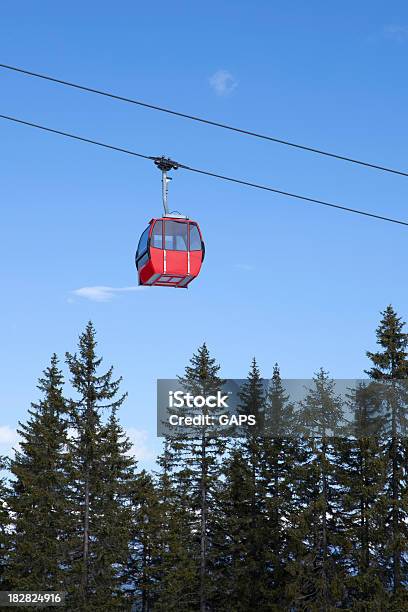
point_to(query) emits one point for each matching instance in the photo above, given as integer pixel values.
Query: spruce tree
(253, 534)
(194, 463)
(317, 582)
(39, 500)
(282, 472)
(359, 476)
(233, 565)
(256, 500)
(252, 402)
(142, 572)
(113, 508)
(161, 564)
(102, 478)
(177, 571)
(280, 417)
(240, 527)
(390, 365)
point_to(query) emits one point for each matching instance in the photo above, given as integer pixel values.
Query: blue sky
(283, 280)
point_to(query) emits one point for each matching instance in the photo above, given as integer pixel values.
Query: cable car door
(176, 256)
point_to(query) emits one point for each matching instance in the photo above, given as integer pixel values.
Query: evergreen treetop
(392, 362)
(39, 498)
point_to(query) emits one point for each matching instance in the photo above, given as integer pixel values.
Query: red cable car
(171, 249)
(170, 252)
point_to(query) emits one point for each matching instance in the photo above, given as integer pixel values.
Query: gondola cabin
(170, 252)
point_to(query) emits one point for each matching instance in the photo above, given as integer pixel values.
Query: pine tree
(359, 475)
(241, 537)
(177, 544)
(193, 460)
(280, 417)
(102, 478)
(161, 563)
(142, 574)
(233, 565)
(118, 486)
(252, 402)
(282, 472)
(317, 582)
(251, 448)
(390, 364)
(38, 500)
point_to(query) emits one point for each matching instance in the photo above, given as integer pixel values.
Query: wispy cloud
(102, 293)
(244, 267)
(9, 439)
(7, 435)
(398, 33)
(139, 438)
(140, 449)
(222, 82)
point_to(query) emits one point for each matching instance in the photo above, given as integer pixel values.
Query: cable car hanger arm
(165, 164)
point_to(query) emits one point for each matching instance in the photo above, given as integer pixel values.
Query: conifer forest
(281, 523)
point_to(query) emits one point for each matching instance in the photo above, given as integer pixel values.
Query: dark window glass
(142, 261)
(156, 239)
(195, 240)
(142, 243)
(176, 236)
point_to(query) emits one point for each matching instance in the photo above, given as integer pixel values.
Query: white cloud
(222, 82)
(396, 32)
(244, 267)
(102, 293)
(9, 439)
(7, 435)
(140, 450)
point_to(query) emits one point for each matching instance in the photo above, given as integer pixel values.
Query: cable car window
(142, 261)
(156, 240)
(175, 238)
(195, 239)
(143, 243)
